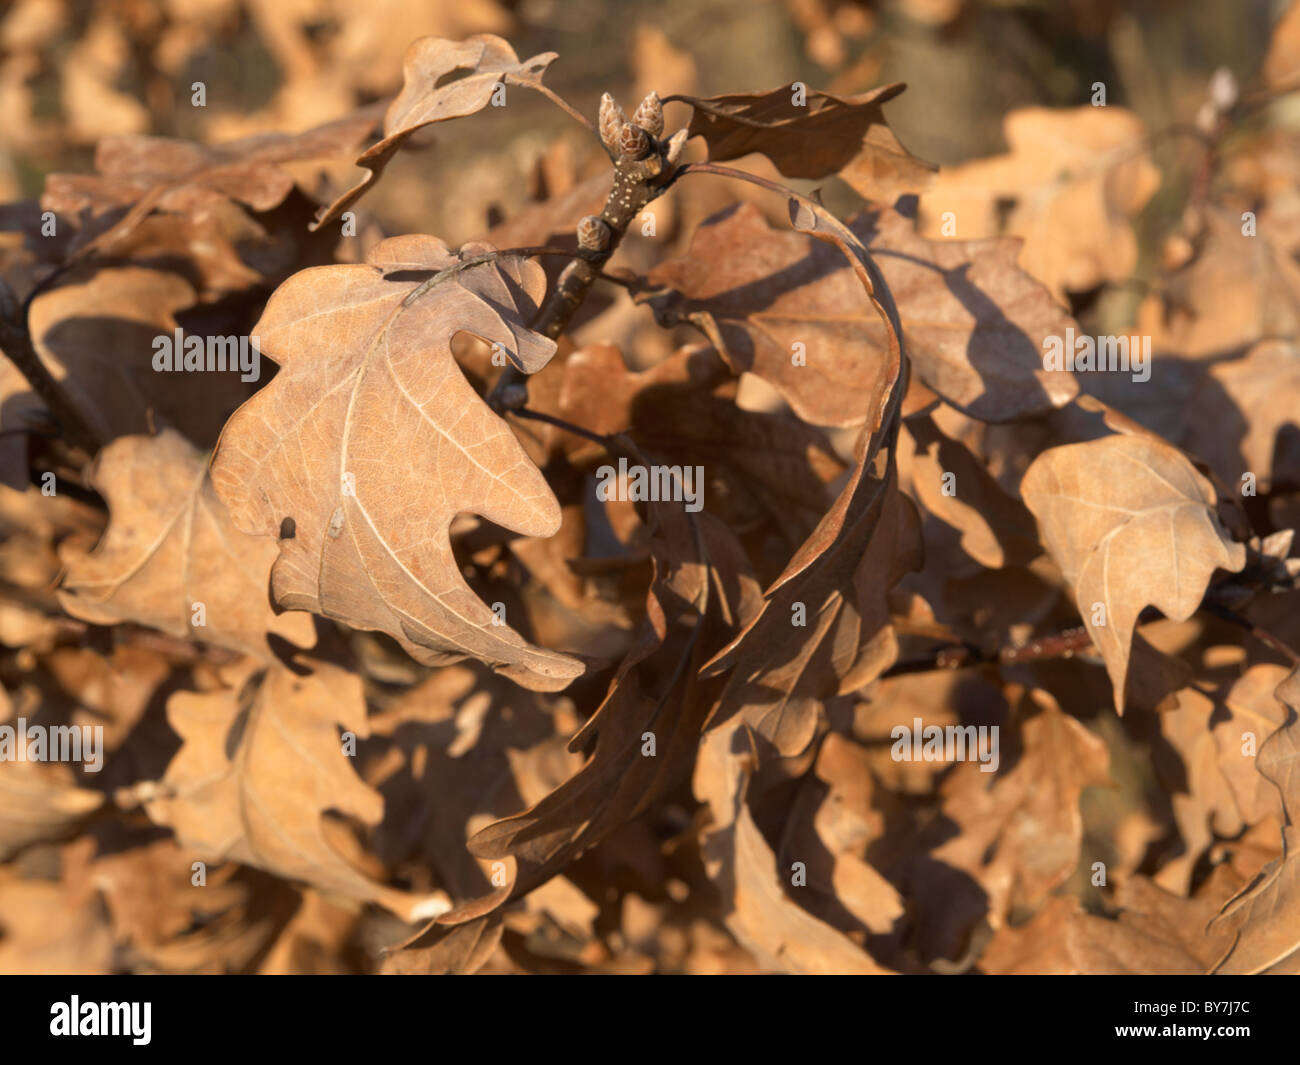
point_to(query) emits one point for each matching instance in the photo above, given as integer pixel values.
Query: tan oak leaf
(260, 764)
(370, 440)
(1069, 186)
(431, 94)
(172, 558)
(1131, 524)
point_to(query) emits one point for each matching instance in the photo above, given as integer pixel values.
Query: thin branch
(631, 285)
(642, 172)
(966, 655)
(1062, 645)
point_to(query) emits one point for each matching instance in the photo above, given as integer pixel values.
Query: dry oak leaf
(776, 296)
(54, 927)
(1156, 933)
(170, 924)
(20, 409)
(1193, 771)
(1254, 403)
(1019, 830)
(1131, 524)
(183, 178)
(1237, 291)
(819, 136)
(831, 824)
(1282, 63)
(369, 441)
(487, 61)
(1073, 179)
(96, 334)
(701, 592)
(996, 529)
(1218, 784)
(762, 466)
(171, 558)
(38, 802)
(260, 764)
(783, 675)
(841, 576)
(442, 950)
(1265, 917)
(973, 322)
(781, 935)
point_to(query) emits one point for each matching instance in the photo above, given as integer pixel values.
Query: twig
(709, 109)
(965, 655)
(643, 170)
(1063, 645)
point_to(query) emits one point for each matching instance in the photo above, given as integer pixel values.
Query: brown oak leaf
(1069, 186)
(1264, 919)
(261, 763)
(973, 322)
(702, 590)
(781, 935)
(819, 136)
(172, 558)
(369, 441)
(430, 94)
(1131, 524)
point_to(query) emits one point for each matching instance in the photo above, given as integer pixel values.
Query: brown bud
(650, 115)
(593, 234)
(612, 120)
(633, 142)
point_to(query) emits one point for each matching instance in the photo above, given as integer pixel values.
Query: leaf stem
(16, 342)
(537, 416)
(1273, 643)
(554, 97)
(478, 260)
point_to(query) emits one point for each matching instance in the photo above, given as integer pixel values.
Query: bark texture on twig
(643, 167)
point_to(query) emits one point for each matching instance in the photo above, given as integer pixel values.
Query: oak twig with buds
(644, 165)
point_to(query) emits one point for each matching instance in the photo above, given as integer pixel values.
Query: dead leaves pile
(384, 683)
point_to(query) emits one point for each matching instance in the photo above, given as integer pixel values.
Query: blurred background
(72, 71)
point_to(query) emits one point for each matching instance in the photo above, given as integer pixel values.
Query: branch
(643, 169)
(964, 656)
(1063, 645)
